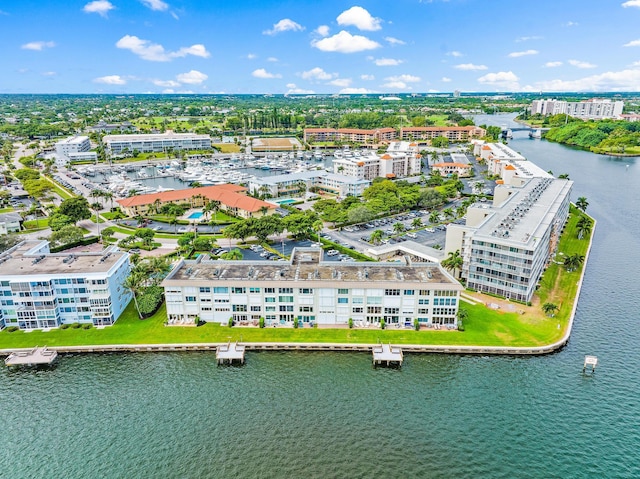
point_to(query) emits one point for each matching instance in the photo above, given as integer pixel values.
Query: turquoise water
(287, 201)
(331, 415)
(195, 215)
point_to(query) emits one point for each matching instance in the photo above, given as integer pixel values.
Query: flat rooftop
(21, 260)
(155, 137)
(307, 265)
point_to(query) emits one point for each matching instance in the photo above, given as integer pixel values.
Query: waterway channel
(319, 415)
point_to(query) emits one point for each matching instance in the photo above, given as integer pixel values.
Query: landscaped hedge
(150, 301)
(82, 242)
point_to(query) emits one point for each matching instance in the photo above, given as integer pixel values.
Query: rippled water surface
(321, 415)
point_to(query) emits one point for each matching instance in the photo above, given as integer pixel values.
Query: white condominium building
(402, 159)
(156, 143)
(507, 164)
(75, 148)
(506, 245)
(297, 184)
(40, 290)
(312, 290)
(593, 109)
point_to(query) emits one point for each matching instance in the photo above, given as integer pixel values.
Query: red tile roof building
(312, 135)
(452, 133)
(231, 197)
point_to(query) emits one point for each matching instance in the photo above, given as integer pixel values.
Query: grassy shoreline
(484, 327)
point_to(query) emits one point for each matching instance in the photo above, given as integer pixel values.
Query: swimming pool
(195, 215)
(288, 201)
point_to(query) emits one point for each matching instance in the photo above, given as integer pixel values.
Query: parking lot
(285, 248)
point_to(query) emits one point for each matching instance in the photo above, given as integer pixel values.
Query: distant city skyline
(328, 47)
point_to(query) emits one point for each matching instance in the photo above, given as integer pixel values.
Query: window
(285, 290)
(409, 292)
(285, 299)
(270, 309)
(391, 310)
(423, 301)
(190, 299)
(238, 290)
(269, 290)
(305, 291)
(286, 308)
(374, 309)
(392, 292)
(425, 292)
(306, 309)
(423, 310)
(205, 289)
(358, 310)
(220, 289)
(357, 300)
(343, 291)
(255, 308)
(343, 300)
(269, 300)
(254, 290)
(375, 300)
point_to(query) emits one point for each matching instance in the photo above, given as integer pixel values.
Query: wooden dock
(590, 362)
(230, 352)
(31, 357)
(387, 354)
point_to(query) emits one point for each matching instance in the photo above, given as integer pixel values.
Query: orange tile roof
(227, 194)
(457, 165)
(499, 182)
(391, 175)
(438, 128)
(386, 157)
(361, 163)
(486, 147)
(509, 167)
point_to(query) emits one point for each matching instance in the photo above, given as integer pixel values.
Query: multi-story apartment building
(507, 163)
(75, 148)
(593, 109)
(506, 245)
(355, 135)
(452, 133)
(402, 159)
(40, 290)
(312, 290)
(297, 184)
(156, 143)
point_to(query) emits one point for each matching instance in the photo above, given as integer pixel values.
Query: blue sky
(318, 46)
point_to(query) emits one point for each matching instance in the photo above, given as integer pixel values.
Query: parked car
(332, 252)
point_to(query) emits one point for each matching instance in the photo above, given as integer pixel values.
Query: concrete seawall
(275, 346)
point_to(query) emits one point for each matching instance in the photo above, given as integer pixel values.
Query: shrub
(261, 322)
(350, 323)
(382, 323)
(460, 326)
(87, 326)
(295, 323)
(76, 325)
(416, 324)
(64, 326)
(230, 322)
(11, 329)
(150, 300)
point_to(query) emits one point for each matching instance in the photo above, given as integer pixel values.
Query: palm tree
(434, 217)
(263, 210)
(134, 284)
(212, 205)
(582, 203)
(97, 207)
(398, 228)
(416, 223)
(453, 262)
(549, 309)
(563, 176)
(108, 195)
(573, 262)
(235, 255)
(317, 227)
(174, 222)
(155, 206)
(376, 236)
(583, 226)
(448, 212)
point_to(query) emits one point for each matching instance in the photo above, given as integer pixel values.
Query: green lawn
(226, 147)
(484, 327)
(59, 190)
(8, 209)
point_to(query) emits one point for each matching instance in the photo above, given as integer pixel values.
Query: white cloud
(155, 52)
(272, 59)
(403, 78)
(111, 80)
(262, 73)
(284, 25)
(101, 7)
(635, 64)
(49, 74)
(523, 54)
(526, 39)
(470, 67)
(445, 79)
(367, 77)
(571, 24)
(341, 82)
(317, 73)
(396, 85)
(38, 46)
(553, 64)
(359, 18)
(168, 91)
(454, 54)
(344, 42)
(294, 90)
(166, 83)
(387, 62)
(355, 91)
(395, 41)
(193, 77)
(506, 80)
(580, 64)
(631, 3)
(322, 30)
(157, 5)
(251, 56)
(625, 80)
(633, 43)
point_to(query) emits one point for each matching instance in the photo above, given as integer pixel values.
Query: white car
(332, 252)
